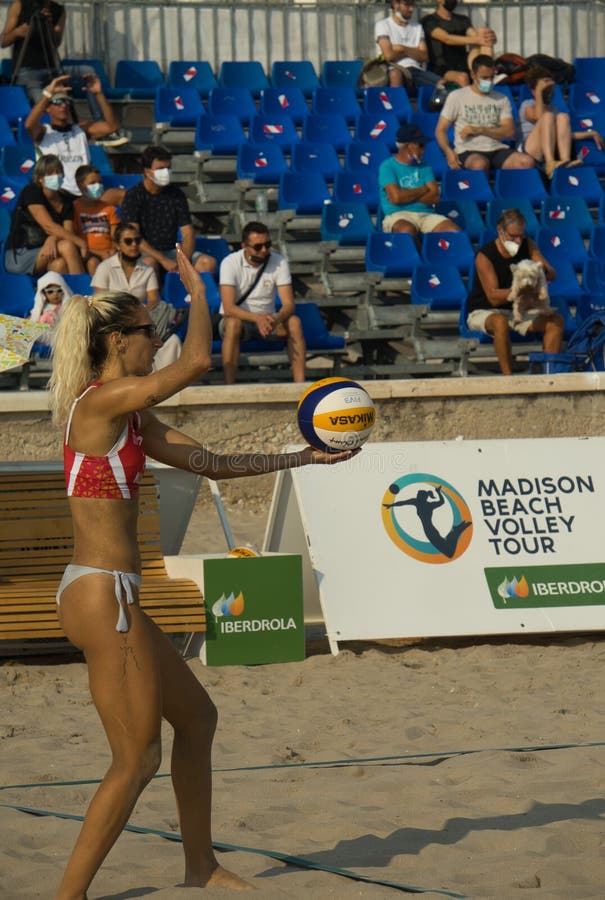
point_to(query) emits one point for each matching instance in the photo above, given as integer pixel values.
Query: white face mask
(485, 85)
(53, 182)
(161, 176)
(95, 190)
(511, 247)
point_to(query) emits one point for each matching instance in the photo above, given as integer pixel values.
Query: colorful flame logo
(516, 587)
(228, 606)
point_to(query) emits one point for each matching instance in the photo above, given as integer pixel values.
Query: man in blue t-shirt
(409, 190)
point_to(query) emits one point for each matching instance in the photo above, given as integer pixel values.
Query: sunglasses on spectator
(258, 247)
(59, 101)
(132, 240)
(52, 290)
(150, 330)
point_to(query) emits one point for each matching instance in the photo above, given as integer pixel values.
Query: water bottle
(261, 204)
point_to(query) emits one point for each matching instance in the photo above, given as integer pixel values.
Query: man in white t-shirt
(403, 46)
(256, 317)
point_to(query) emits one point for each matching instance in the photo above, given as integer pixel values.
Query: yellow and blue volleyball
(336, 414)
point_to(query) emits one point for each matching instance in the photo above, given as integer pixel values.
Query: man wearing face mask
(160, 210)
(490, 310)
(545, 131)
(403, 46)
(408, 189)
(483, 120)
(453, 43)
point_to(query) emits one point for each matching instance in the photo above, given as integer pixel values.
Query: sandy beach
(399, 803)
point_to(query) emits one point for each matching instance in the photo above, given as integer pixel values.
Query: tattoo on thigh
(128, 654)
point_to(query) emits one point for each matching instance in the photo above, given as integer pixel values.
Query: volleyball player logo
(427, 518)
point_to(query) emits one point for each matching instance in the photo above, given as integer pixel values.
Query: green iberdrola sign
(536, 587)
(254, 610)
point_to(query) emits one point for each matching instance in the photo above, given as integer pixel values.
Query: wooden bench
(36, 539)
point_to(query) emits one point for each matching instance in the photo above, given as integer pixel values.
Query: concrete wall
(250, 418)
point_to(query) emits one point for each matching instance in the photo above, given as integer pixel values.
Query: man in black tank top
(488, 308)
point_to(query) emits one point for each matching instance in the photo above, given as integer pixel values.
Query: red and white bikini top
(115, 476)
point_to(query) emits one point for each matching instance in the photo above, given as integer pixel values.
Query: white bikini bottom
(124, 582)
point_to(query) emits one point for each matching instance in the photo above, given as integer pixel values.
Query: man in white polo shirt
(248, 280)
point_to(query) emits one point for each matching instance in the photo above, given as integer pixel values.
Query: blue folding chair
(369, 127)
(306, 194)
(321, 159)
(463, 213)
(248, 74)
(300, 74)
(434, 157)
(357, 187)
(596, 248)
(14, 104)
(340, 101)
(346, 223)
(496, 207)
(288, 101)
(365, 156)
(341, 73)
(16, 295)
(232, 101)
(392, 100)
(395, 255)
(579, 181)
(562, 243)
(261, 163)
(178, 107)
(438, 287)
(219, 134)
(586, 98)
(196, 74)
(317, 336)
(137, 79)
(570, 210)
(18, 161)
(275, 129)
(451, 248)
(466, 184)
(520, 183)
(326, 130)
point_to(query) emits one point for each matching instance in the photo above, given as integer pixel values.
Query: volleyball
(336, 414)
(242, 552)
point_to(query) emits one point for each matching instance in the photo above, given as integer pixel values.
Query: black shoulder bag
(216, 317)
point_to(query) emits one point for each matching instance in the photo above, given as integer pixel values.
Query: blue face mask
(485, 85)
(95, 191)
(53, 182)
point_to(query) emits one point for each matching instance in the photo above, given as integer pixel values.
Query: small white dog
(529, 291)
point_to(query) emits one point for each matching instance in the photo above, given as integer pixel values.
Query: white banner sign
(457, 538)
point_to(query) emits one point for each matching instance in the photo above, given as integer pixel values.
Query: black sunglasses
(258, 247)
(150, 330)
(59, 101)
(130, 241)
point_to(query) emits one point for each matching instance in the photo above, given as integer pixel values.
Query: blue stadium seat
(340, 101)
(5, 227)
(596, 247)
(465, 214)
(602, 211)
(173, 290)
(321, 159)
(341, 73)
(219, 134)
(72, 66)
(373, 127)
(261, 163)
(580, 181)
(591, 155)
(100, 159)
(452, 248)
(300, 74)
(395, 255)
(10, 188)
(466, 184)
(426, 122)
(18, 161)
(79, 284)
(357, 187)
(347, 223)
(232, 101)
(594, 276)
(365, 156)
(588, 121)
(249, 74)
(273, 130)
(562, 243)
(178, 107)
(288, 101)
(392, 100)
(496, 207)
(14, 104)
(137, 79)
(571, 210)
(566, 284)
(6, 135)
(305, 193)
(520, 183)
(218, 248)
(197, 74)
(586, 98)
(16, 295)
(326, 129)
(120, 181)
(434, 157)
(438, 287)
(317, 336)
(589, 69)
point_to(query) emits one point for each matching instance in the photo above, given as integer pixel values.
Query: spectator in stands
(482, 119)
(61, 136)
(248, 281)
(95, 220)
(489, 309)
(50, 300)
(403, 46)
(453, 43)
(42, 234)
(408, 189)
(545, 131)
(160, 210)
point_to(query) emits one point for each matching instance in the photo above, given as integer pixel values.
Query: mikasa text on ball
(336, 414)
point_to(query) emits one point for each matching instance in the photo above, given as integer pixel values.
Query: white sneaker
(115, 139)
(498, 79)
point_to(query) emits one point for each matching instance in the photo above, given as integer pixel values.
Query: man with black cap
(408, 189)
